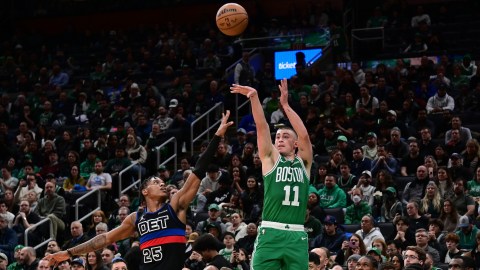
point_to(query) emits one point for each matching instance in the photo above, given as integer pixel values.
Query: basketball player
(286, 172)
(161, 226)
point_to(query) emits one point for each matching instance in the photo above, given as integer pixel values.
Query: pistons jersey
(162, 239)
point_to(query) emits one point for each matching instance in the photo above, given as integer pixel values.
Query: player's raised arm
(264, 139)
(305, 150)
(182, 199)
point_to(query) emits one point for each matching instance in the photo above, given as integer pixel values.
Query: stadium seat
(387, 229)
(351, 228)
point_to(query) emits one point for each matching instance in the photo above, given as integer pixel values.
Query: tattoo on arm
(98, 242)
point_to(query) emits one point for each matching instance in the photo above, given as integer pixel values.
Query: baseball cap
(50, 175)
(99, 91)
(367, 172)
(173, 103)
(78, 261)
(376, 250)
(162, 168)
(134, 85)
(372, 134)
(391, 189)
(392, 112)
(456, 156)
(330, 220)
(192, 237)
(241, 130)
(342, 138)
(464, 222)
(17, 247)
(214, 206)
(3, 257)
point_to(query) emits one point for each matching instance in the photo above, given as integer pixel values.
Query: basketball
(232, 19)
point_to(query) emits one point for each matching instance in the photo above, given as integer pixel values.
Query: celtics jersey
(286, 192)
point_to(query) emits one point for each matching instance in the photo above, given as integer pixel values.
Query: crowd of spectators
(391, 147)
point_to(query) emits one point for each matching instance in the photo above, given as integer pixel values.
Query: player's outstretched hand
(283, 87)
(244, 90)
(56, 258)
(224, 124)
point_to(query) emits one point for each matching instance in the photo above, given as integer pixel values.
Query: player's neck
(153, 206)
(290, 156)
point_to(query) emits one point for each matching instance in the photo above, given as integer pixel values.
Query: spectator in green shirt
(358, 209)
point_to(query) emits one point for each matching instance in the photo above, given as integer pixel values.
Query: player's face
(285, 141)
(156, 187)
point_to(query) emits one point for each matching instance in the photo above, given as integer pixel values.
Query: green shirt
(354, 213)
(473, 188)
(286, 192)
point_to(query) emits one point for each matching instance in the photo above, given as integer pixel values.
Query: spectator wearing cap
(15, 263)
(3, 261)
(391, 205)
(467, 232)
(462, 201)
(332, 196)
(365, 185)
(396, 147)
(457, 170)
(411, 161)
(228, 239)
(376, 254)
(421, 240)
(342, 145)
(359, 208)
(241, 141)
(391, 120)
(208, 246)
(213, 217)
(88, 166)
(384, 161)
(370, 148)
(332, 236)
(360, 162)
(77, 263)
(368, 231)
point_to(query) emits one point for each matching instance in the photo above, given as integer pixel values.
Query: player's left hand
(56, 258)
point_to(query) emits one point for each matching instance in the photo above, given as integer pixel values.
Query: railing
(34, 226)
(206, 115)
(173, 156)
(366, 34)
(120, 175)
(83, 197)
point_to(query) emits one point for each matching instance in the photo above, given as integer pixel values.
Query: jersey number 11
(287, 201)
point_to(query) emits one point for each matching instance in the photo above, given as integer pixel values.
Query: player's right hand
(244, 90)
